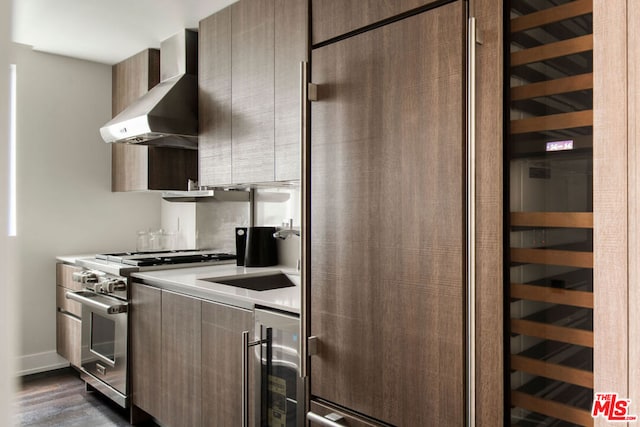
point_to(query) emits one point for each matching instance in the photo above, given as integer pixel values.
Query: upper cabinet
(138, 168)
(334, 18)
(249, 92)
(252, 91)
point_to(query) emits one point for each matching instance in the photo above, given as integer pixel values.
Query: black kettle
(261, 249)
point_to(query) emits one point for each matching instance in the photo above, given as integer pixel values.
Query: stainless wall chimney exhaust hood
(167, 115)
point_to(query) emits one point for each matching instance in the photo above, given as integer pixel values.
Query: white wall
(7, 318)
(65, 205)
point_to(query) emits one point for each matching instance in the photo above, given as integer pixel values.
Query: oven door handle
(97, 302)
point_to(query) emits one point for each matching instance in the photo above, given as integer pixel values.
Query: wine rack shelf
(550, 219)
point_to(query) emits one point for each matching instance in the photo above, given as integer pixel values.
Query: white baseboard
(40, 362)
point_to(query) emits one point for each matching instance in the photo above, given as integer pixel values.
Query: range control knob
(85, 277)
(114, 285)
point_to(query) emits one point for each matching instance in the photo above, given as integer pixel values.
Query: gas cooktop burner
(176, 258)
(168, 257)
(119, 256)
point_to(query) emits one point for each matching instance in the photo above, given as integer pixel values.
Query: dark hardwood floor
(58, 398)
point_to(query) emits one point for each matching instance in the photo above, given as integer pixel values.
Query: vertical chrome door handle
(246, 344)
(305, 198)
(471, 223)
(245, 378)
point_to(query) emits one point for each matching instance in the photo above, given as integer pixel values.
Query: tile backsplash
(211, 225)
(216, 223)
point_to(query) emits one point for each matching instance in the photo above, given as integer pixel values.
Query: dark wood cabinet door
(334, 18)
(252, 77)
(291, 48)
(214, 97)
(131, 79)
(146, 348)
(68, 337)
(138, 167)
(181, 360)
(222, 328)
(387, 220)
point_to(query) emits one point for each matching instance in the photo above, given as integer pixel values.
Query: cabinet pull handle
(471, 224)
(329, 420)
(246, 344)
(305, 209)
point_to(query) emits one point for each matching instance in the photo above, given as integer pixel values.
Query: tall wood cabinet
(136, 167)
(387, 280)
(186, 358)
(249, 96)
(335, 18)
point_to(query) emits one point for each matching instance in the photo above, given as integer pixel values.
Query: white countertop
(72, 259)
(190, 281)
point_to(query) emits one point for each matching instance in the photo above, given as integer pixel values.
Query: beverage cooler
(276, 361)
(548, 153)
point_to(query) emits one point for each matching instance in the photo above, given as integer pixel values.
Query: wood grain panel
(552, 122)
(252, 86)
(65, 304)
(553, 87)
(214, 97)
(153, 76)
(333, 18)
(489, 214)
(552, 409)
(68, 337)
(181, 360)
(552, 257)
(552, 295)
(171, 168)
(64, 276)
(633, 34)
(552, 50)
(551, 370)
(552, 219)
(129, 170)
(552, 332)
(551, 15)
(131, 79)
(291, 48)
(379, 128)
(222, 328)
(146, 348)
(611, 200)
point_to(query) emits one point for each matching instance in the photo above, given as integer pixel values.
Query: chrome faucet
(286, 232)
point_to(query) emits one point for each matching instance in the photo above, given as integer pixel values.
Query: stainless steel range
(105, 307)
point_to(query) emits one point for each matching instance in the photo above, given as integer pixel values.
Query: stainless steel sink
(262, 282)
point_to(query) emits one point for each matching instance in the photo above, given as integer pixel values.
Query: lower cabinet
(181, 360)
(68, 335)
(68, 314)
(186, 358)
(146, 348)
(222, 328)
